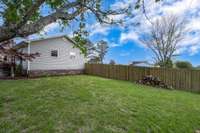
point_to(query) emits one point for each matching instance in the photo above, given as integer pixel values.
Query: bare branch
(164, 36)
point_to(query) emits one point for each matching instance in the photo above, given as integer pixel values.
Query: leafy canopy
(21, 18)
(14, 11)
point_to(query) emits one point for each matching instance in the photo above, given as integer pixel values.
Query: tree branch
(30, 12)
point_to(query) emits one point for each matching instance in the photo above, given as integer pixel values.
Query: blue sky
(124, 42)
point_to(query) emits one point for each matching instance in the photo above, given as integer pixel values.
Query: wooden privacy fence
(181, 79)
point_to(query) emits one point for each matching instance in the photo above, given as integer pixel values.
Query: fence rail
(181, 79)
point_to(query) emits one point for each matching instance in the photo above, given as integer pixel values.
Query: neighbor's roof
(138, 63)
(23, 44)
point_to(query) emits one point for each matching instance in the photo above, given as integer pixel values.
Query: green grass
(87, 104)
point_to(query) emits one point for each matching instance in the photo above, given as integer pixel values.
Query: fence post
(127, 73)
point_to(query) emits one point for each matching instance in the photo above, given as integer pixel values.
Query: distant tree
(112, 62)
(163, 38)
(167, 63)
(198, 67)
(183, 64)
(102, 49)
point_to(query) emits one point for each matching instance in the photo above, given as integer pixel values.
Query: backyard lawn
(87, 104)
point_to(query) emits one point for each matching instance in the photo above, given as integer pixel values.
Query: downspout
(29, 52)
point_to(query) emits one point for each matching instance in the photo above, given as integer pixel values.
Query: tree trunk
(13, 67)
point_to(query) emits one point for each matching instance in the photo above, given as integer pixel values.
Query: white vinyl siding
(25, 63)
(62, 62)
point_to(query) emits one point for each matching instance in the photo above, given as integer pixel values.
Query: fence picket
(178, 78)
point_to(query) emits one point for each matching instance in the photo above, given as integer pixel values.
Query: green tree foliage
(81, 43)
(183, 64)
(165, 64)
(21, 18)
(86, 46)
(24, 17)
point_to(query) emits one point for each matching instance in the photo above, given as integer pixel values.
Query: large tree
(163, 38)
(21, 18)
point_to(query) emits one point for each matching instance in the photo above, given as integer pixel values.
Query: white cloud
(98, 29)
(122, 4)
(182, 6)
(194, 24)
(194, 49)
(104, 29)
(117, 17)
(50, 27)
(132, 35)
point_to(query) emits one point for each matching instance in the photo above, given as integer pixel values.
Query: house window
(54, 53)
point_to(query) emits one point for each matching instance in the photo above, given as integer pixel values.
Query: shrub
(183, 65)
(166, 64)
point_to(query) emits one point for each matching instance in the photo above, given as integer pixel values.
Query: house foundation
(40, 73)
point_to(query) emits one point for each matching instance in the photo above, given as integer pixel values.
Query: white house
(57, 55)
